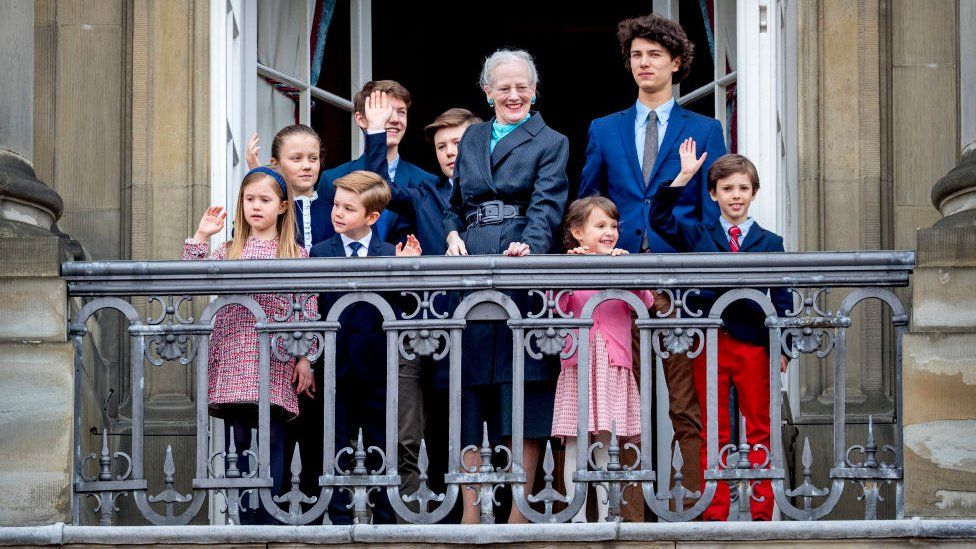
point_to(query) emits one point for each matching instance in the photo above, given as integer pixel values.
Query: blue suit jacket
(743, 319)
(420, 206)
(407, 175)
(612, 170)
(361, 340)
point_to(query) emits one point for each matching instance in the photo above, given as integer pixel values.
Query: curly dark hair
(658, 29)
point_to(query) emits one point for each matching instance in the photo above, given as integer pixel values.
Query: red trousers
(745, 366)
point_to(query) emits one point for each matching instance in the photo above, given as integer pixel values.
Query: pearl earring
(491, 102)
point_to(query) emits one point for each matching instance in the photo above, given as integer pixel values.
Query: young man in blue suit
(391, 227)
(360, 363)
(630, 152)
(743, 341)
(420, 206)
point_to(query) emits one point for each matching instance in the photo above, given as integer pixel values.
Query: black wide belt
(493, 212)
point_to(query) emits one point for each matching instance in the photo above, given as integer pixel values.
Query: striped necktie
(734, 234)
(354, 247)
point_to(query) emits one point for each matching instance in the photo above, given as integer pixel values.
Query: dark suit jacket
(612, 170)
(419, 206)
(361, 342)
(743, 319)
(407, 175)
(321, 218)
(527, 169)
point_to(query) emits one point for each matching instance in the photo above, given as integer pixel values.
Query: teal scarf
(499, 131)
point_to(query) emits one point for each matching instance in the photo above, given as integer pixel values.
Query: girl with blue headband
(264, 228)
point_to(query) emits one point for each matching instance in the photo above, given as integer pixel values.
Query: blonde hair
(372, 190)
(287, 247)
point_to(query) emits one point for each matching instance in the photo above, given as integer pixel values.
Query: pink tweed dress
(614, 394)
(233, 360)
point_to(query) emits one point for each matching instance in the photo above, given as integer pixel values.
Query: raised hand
(211, 223)
(252, 152)
(516, 249)
(377, 111)
(690, 164)
(411, 248)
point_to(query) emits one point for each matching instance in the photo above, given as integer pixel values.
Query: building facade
(141, 110)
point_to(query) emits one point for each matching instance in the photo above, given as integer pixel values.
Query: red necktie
(734, 233)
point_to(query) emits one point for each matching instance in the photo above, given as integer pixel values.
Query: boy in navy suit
(743, 341)
(630, 152)
(390, 226)
(360, 364)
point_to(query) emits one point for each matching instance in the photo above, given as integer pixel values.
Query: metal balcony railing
(482, 286)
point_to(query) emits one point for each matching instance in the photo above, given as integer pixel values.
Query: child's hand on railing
(410, 248)
(579, 250)
(211, 223)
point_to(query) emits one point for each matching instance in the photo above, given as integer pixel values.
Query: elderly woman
(510, 189)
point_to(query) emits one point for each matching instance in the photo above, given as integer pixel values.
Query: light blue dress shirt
(640, 123)
(744, 227)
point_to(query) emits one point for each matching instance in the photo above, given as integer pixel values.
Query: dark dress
(527, 170)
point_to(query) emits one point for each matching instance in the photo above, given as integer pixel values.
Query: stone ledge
(27, 251)
(901, 532)
(946, 247)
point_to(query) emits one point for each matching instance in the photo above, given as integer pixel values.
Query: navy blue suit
(419, 206)
(407, 175)
(360, 377)
(612, 170)
(744, 319)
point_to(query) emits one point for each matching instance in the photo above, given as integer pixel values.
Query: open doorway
(437, 54)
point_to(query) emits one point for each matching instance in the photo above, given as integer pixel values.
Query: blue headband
(277, 177)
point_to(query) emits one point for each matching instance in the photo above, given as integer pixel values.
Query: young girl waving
(590, 227)
(264, 228)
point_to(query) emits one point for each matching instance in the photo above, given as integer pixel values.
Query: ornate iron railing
(481, 283)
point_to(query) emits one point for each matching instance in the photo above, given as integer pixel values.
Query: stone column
(36, 366)
(940, 350)
(940, 361)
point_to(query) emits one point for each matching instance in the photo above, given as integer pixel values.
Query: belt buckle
(491, 212)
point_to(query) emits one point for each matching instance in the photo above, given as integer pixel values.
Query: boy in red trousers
(743, 341)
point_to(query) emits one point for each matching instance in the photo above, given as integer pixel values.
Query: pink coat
(611, 318)
(233, 360)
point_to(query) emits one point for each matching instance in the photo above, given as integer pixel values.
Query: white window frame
(234, 70)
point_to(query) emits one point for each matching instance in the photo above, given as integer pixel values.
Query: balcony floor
(905, 533)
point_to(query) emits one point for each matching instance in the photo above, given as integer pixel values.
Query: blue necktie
(355, 247)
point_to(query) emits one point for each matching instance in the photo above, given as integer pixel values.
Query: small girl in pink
(264, 228)
(590, 227)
